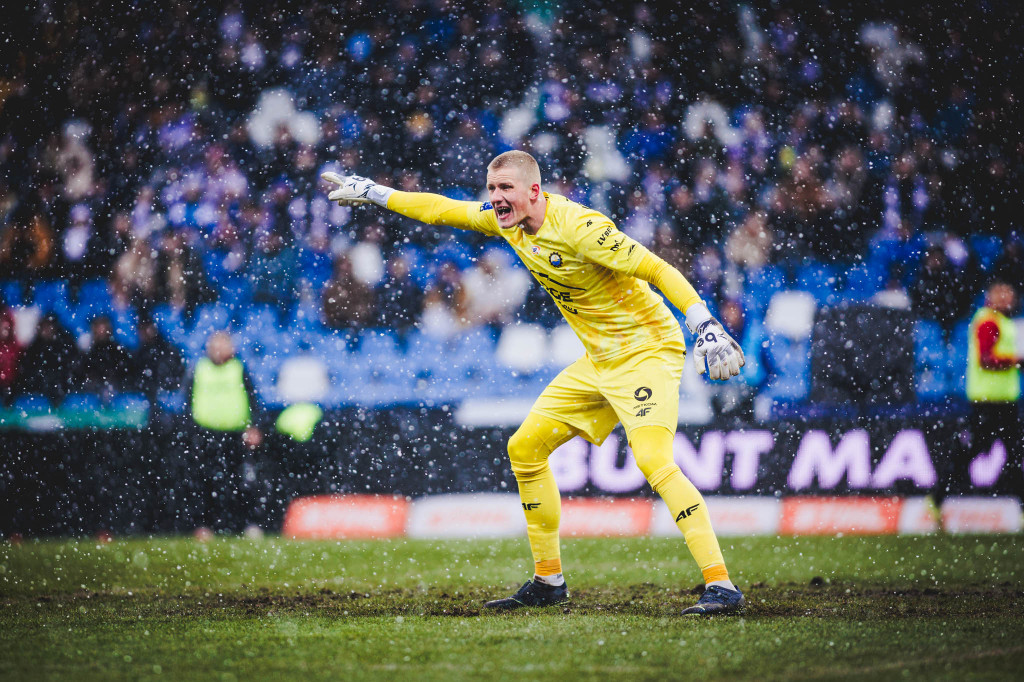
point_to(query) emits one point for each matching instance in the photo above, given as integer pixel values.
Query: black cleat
(716, 601)
(533, 593)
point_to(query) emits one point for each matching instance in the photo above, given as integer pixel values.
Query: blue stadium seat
(932, 384)
(821, 280)
(304, 316)
(316, 268)
(172, 402)
(259, 317)
(126, 327)
(235, 295)
(760, 285)
(958, 358)
(32, 403)
(82, 402)
(129, 401)
(932, 361)
(213, 266)
(987, 248)
(863, 281)
(211, 317)
(790, 374)
(48, 295)
(754, 339)
(171, 323)
(12, 293)
(379, 347)
(93, 299)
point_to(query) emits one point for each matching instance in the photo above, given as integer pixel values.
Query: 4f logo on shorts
(686, 512)
(530, 506)
(642, 395)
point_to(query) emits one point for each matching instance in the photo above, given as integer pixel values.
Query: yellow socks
(529, 449)
(652, 448)
(539, 436)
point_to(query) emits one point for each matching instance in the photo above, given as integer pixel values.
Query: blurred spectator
(107, 367)
(26, 245)
(50, 362)
(750, 244)
(445, 304)
(400, 297)
(10, 356)
(272, 271)
(367, 255)
(82, 253)
(861, 146)
(495, 289)
(348, 304)
(133, 278)
(159, 364)
(223, 489)
(180, 278)
(1009, 267)
(934, 293)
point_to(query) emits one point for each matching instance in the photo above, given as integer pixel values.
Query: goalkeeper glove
(354, 189)
(713, 345)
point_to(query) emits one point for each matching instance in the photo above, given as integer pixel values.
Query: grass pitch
(936, 607)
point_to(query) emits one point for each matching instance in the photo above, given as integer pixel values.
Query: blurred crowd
(173, 153)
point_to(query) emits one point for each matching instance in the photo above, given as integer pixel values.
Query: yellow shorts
(638, 388)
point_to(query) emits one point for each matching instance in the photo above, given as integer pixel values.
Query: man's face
(1003, 299)
(220, 349)
(510, 195)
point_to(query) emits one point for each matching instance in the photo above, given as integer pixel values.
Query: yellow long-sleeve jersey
(596, 274)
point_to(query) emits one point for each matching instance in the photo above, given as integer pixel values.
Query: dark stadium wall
(147, 480)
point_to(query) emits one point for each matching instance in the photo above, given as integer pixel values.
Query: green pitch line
(918, 607)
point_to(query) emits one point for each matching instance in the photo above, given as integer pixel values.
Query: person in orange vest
(993, 388)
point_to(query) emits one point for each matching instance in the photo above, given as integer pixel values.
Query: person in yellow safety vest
(993, 389)
(226, 413)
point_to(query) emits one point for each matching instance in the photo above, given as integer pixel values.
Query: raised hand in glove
(353, 190)
(713, 348)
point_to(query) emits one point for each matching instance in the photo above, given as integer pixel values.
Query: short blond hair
(521, 161)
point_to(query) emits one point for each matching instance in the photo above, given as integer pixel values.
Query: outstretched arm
(432, 209)
(602, 243)
(711, 342)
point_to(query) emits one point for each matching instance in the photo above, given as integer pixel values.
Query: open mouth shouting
(503, 213)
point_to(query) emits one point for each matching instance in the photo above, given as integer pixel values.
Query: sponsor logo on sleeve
(486, 206)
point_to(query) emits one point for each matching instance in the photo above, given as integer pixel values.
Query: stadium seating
(12, 292)
(820, 280)
(81, 402)
(790, 360)
(129, 401)
(931, 361)
(32, 403)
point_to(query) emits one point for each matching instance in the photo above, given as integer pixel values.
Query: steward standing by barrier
(993, 389)
(226, 412)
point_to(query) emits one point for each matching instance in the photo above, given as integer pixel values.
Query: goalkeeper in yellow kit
(630, 373)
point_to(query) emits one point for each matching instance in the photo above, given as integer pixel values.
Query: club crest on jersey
(535, 250)
(555, 259)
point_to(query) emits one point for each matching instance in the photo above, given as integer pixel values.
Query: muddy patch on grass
(817, 599)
